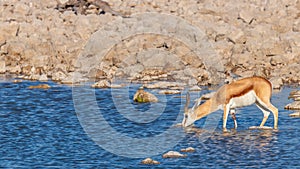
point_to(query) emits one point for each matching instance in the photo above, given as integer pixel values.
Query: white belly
(244, 100)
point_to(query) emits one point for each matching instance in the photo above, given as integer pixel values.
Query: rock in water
(163, 85)
(41, 86)
(173, 154)
(149, 161)
(142, 96)
(195, 88)
(295, 95)
(293, 106)
(102, 84)
(296, 114)
(169, 92)
(189, 149)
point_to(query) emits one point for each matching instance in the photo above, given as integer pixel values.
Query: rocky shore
(43, 40)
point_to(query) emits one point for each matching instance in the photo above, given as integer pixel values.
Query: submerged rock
(41, 86)
(142, 96)
(189, 149)
(173, 154)
(149, 161)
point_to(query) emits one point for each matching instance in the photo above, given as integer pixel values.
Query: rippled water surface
(40, 128)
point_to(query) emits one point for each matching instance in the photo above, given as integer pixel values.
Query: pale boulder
(149, 161)
(174, 154)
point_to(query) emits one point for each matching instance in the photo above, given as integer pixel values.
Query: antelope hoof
(225, 130)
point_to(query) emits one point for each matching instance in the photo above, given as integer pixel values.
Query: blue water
(41, 129)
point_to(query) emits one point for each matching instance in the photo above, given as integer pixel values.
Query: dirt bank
(40, 41)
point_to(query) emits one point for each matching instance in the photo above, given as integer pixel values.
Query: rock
(152, 58)
(43, 77)
(189, 149)
(102, 84)
(62, 1)
(2, 66)
(296, 26)
(149, 161)
(240, 59)
(173, 154)
(169, 92)
(260, 128)
(163, 85)
(277, 82)
(237, 36)
(293, 106)
(17, 81)
(142, 96)
(133, 70)
(40, 86)
(195, 88)
(247, 16)
(278, 60)
(58, 76)
(295, 94)
(296, 114)
(69, 79)
(105, 84)
(192, 81)
(14, 69)
(115, 86)
(177, 88)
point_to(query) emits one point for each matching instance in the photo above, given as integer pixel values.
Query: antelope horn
(198, 101)
(186, 107)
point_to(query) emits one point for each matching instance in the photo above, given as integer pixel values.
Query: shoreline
(121, 83)
(40, 42)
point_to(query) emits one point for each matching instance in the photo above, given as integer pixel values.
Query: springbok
(239, 93)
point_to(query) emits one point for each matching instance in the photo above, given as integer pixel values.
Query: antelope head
(190, 115)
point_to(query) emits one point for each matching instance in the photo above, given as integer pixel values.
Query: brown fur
(261, 87)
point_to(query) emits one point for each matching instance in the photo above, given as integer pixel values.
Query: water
(40, 129)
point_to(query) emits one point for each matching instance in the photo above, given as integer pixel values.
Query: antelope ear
(186, 107)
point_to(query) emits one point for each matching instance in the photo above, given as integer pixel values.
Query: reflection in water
(236, 144)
